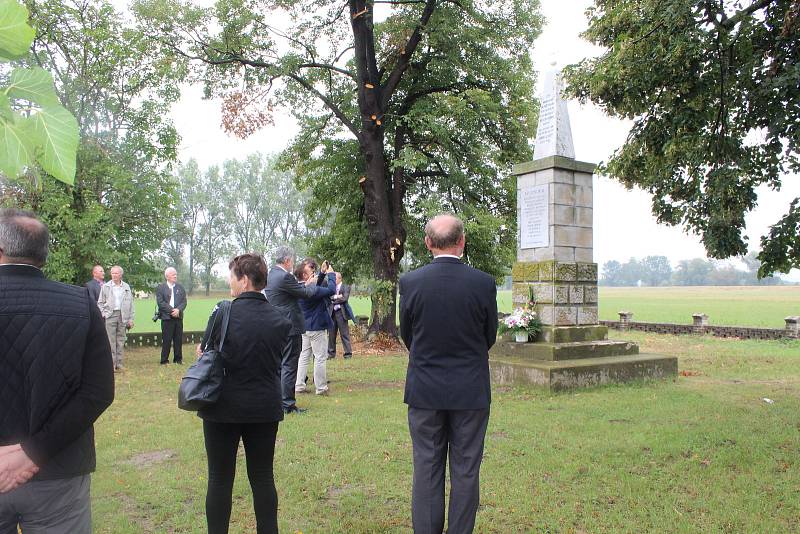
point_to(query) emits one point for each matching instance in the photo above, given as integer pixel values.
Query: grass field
(703, 453)
(730, 306)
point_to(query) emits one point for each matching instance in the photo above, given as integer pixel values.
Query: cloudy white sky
(623, 224)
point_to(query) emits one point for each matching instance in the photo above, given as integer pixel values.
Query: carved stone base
(572, 357)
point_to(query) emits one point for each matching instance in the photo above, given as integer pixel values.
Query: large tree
(712, 86)
(406, 106)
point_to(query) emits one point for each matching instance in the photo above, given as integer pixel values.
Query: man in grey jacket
(116, 306)
(283, 291)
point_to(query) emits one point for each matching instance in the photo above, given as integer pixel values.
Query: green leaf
(5, 107)
(34, 84)
(16, 35)
(16, 148)
(56, 135)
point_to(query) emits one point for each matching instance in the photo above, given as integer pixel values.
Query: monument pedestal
(555, 271)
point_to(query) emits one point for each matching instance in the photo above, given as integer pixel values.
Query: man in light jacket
(116, 307)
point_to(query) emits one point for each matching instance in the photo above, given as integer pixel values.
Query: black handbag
(202, 384)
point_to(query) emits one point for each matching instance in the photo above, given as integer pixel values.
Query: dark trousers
(291, 355)
(222, 444)
(339, 325)
(172, 334)
(434, 434)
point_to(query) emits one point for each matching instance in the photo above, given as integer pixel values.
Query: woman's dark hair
(300, 269)
(251, 265)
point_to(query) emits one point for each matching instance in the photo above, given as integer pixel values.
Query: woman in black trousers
(249, 406)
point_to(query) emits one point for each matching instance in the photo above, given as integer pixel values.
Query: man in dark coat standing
(448, 321)
(96, 283)
(171, 302)
(57, 378)
(283, 291)
(340, 312)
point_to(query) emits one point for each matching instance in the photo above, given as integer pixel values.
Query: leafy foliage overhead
(405, 107)
(714, 89)
(34, 127)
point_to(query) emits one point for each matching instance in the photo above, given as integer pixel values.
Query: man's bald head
(444, 234)
(23, 238)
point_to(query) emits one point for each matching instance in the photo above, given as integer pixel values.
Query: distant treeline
(657, 271)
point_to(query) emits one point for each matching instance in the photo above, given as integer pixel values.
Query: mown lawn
(703, 453)
(730, 306)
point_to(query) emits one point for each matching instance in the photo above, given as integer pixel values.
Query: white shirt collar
(281, 267)
(446, 256)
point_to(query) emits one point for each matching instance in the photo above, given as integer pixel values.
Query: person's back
(257, 332)
(448, 321)
(57, 372)
(450, 335)
(249, 406)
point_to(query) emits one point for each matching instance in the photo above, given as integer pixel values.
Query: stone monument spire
(553, 135)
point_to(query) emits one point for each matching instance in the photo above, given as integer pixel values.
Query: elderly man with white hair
(116, 307)
(171, 302)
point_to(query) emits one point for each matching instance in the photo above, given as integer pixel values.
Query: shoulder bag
(202, 384)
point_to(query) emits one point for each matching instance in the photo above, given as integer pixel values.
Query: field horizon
(756, 306)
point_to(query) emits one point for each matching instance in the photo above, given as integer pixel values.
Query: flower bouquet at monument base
(523, 322)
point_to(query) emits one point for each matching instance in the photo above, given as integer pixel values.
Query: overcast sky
(623, 224)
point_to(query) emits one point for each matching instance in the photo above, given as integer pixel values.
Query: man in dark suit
(448, 321)
(340, 312)
(171, 302)
(96, 283)
(283, 291)
(58, 377)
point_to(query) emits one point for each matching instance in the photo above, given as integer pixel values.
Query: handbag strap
(225, 308)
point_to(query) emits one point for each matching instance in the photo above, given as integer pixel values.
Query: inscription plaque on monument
(534, 217)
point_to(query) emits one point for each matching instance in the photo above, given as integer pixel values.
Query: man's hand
(130, 325)
(175, 312)
(15, 467)
(198, 351)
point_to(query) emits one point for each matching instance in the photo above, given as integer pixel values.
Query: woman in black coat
(249, 406)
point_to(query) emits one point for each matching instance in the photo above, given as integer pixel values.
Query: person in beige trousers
(116, 306)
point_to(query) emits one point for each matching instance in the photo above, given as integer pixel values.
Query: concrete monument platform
(555, 270)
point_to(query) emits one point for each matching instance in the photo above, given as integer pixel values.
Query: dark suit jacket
(162, 301)
(94, 288)
(257, 334)
(343, 301)
(448, 321)
(283, 291)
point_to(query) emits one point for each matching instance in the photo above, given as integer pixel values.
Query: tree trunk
(385, 235)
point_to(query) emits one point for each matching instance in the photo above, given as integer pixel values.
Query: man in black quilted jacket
(57, 378)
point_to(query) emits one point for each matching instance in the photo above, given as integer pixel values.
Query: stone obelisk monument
(555, 270)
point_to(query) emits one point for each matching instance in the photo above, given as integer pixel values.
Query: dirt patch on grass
(151, 458)
(135, 514)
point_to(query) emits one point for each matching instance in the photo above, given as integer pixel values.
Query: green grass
(729, 306)
(702, 453)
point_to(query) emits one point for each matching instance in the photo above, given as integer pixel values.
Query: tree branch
(329, 67)
(387, 90)
(327, 101)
